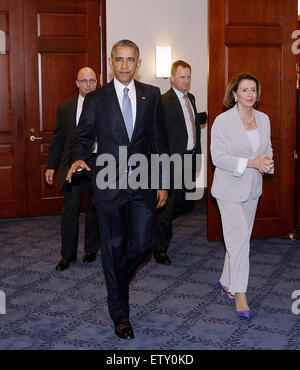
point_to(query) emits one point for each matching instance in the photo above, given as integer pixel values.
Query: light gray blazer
(229, 142)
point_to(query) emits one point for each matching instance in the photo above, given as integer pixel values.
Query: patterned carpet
(176, 307)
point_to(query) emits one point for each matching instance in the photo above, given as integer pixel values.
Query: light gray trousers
(237, 224)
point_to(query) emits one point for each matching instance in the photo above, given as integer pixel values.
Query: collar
(120, 87)
(80, 98)
(178, 93)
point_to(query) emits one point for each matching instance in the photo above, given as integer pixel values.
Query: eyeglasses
(85, 82)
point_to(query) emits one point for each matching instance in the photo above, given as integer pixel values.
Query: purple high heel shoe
(232, 300)
(244, 313)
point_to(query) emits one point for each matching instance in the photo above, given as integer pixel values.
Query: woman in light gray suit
(241, 151)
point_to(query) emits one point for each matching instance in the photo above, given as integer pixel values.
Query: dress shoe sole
(123, 336)
(64, 266)
(61, 268)
(124, 331)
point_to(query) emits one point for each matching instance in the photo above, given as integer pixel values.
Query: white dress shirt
(131, 93)
(188, 123)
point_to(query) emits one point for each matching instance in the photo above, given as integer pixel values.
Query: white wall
(181, 24)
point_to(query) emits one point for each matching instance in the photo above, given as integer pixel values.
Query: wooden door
(60, 37)
(47, 42)
(255, 36)
(12, 127)
(297, 231)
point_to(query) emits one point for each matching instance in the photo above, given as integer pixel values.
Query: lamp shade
(163, 61)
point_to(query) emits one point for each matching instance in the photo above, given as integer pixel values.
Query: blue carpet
(176, 307)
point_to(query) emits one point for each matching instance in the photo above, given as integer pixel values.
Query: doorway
(46, 42)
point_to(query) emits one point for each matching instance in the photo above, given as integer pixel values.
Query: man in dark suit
(183, 127)
(124, 115)
(67, 118)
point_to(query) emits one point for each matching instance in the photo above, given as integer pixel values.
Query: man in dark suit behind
(183, 127)
(125, 114)
(67, 118)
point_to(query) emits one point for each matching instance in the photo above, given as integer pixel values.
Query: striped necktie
(186, 99)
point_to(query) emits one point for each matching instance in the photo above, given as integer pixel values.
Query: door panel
(51, 93)
(256, 37)
(263, 12)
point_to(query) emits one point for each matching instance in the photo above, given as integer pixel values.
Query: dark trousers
(73, 196)
(176, 204)
(125, 243)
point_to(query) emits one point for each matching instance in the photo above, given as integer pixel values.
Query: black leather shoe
(161, 257)
(124, 330)
(89, 257)
(64, 263)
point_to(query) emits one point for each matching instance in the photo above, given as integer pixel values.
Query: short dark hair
(233, 85)
(125, 43)
(178, 63)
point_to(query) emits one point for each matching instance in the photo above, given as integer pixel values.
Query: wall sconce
(2, 42)
(163, 61)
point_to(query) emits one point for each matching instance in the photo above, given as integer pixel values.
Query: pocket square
(144, 97)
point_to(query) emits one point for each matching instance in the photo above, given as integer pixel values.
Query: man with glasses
(67, 118)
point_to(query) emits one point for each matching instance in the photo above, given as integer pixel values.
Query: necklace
(247, 121)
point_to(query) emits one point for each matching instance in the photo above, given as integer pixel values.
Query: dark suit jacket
(177, 132)
(101, 117)
(64, 133)
(175, 123)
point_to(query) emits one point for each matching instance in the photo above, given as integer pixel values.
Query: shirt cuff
(242, 165)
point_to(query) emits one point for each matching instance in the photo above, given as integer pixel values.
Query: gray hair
(126, 43)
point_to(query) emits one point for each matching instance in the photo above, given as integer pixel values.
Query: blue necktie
(127, 113)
